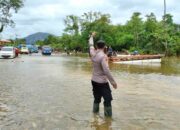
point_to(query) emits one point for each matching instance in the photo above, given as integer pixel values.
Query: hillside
(33, 38)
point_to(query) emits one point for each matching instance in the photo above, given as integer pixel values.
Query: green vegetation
(148, 36)
(6, 9)
(16, 42)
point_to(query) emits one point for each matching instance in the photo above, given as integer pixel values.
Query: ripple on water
(55, 93)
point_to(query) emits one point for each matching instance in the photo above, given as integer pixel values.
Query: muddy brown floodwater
(54, 93)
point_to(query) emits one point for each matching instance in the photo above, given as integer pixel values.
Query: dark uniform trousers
(102, 90)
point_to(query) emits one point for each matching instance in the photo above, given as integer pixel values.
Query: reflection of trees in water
(145, 69)
(105, 125)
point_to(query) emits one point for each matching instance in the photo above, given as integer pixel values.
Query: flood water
(54, 93)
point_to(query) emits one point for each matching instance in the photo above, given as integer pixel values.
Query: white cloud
(48, 15)
(86, 3)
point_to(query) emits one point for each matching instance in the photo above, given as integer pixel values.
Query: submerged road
(54, 93)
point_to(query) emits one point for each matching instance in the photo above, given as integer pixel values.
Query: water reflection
(55, 93)
(101, 124)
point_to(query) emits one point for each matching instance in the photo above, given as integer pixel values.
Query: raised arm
(91, 46)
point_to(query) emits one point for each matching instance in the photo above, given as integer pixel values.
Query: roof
(5, 41)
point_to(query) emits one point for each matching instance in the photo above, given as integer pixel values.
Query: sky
(48, 15)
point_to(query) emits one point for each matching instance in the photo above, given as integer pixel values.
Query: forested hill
(33, 38)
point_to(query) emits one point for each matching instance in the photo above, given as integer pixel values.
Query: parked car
(34, 49)
(24, 50)
(7, 52)
(17, 52)
(0, 47)
(46, 50)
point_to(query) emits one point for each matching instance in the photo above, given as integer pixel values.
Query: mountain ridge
(33, 38)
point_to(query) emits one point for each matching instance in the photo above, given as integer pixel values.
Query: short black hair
(100, 44)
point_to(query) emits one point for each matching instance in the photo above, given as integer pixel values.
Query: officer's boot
(108, 111)
(96, 108)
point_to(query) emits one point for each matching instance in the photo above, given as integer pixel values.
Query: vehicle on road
(46, 50)
(32, 48)
(0, 47)
(24, 50)
(17, 52)
(7, 52)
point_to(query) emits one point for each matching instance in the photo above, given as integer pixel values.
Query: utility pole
(164, 7)
(164, 19)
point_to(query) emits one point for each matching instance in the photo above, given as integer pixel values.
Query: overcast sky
(48, 15)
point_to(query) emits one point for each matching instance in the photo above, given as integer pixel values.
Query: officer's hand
(114, 85)
(93, 34)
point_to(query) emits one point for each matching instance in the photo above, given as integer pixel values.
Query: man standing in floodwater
(101, 75)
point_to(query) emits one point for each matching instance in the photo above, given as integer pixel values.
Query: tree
(148, 36)
(6, 9)
(149, 40)
(88, 19)
(151, 23)
(168, 19)
(72, 24)
(135, 27)
(40, 43)
(100, 23)
(168, 31)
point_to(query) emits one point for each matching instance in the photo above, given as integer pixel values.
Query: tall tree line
(148, 36)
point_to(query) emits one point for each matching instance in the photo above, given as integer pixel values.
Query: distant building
(3, 42)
